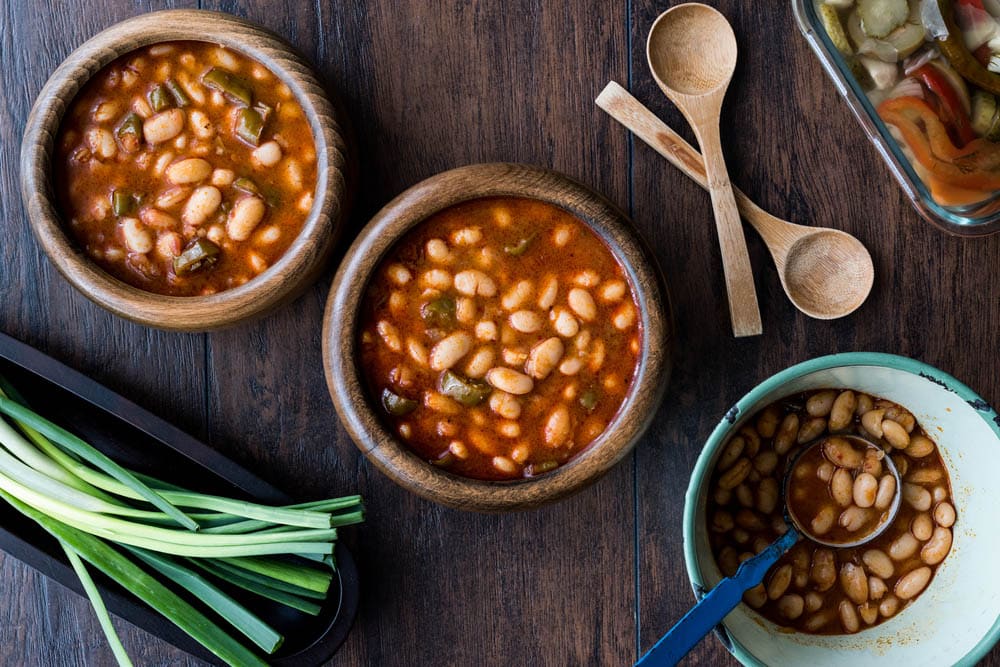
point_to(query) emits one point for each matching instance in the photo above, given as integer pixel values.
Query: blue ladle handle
(712, 608)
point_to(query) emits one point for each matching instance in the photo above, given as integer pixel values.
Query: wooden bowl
(341, 345)
(288, 277)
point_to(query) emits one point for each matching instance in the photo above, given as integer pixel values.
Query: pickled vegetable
(834, 29)
(588, 399)
(199, 254)
(954, 49)
(880, 17)
(439, 313)
(466, 391)
(397, 405)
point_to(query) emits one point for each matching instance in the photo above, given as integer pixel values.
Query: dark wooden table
(430, 86)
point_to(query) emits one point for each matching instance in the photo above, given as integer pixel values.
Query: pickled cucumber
(834, 29)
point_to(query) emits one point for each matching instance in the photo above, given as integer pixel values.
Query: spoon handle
(711, 609)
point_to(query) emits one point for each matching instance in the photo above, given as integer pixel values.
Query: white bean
(467, 236)
(582, 304)
(163, 126)
(267, 154)
(842, 412)
(486, 331)
(517, 295)
(912, 583)
(189, 170)
(854, 518)
(447, 352)
(509, 380)
(918, 497)
(417, 351)
(203, 203)
(889, 606)
(438, 279)
(548, 292)
(504, 464)
(544, 357)
(865, 490)
(437, 251)
(848, 616)
(399, 274)
(878, 563)
(842, 487)
(389, 335)
(505, 405)
(872, 421)
(557, 427)
(920, 446)
(767, 495)
(895, 434)
(820, 403)
(201, 125)
(876, 588)
(472, 282)
(244, 217)
(624, 317)
(922, 527)
(823, 521)
(791, 606)
(903, 547)
(779, 582)
(886, 492)
(526, 321)
(612, 291)
(564, 322)
(944, 515)
(481, 361)
(938, 547)
(137, 237)
(824, 571)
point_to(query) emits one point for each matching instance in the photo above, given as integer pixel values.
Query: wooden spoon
(826, 273)
(692, 54)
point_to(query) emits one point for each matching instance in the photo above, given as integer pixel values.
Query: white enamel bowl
(957, 619)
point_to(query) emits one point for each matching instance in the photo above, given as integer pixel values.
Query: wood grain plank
(793, 147)
(42, 623)
(432, 86)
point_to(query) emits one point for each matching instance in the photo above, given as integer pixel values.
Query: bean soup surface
(185, 168)
(815, 588)
(500, 337)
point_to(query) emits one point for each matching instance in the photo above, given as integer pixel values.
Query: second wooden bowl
(289, 276)
(341, 345)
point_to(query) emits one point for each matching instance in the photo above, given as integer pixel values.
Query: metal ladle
(723, 598)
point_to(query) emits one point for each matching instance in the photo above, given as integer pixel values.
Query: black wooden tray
(142, 441)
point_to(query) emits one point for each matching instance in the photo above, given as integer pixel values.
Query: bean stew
(184, 168)
(500, 337)
(815, 588)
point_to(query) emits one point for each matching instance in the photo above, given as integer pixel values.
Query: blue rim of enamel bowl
(912, 366)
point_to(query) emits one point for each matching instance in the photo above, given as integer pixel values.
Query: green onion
(98, 604)
(145, 587)
(259, 632)
(83, 498)
(74, 444)
(236, 577)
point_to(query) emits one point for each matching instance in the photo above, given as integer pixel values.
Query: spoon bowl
(691, 50)
(826, 273)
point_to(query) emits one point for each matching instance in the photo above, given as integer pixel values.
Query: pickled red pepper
(975, 165)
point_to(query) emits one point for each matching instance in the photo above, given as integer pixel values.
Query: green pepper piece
(159, 98)
(246, 185)
(123, 203)
(249, 125)
(198, 254)
(396, 405)
(263, 109)
(439, 312)
(443, 461)
(130, 132)
(231, 86)
(466, 391)
(588, 399)
(180, 97)
(519, 248)
(953, 47)
(543, 467)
